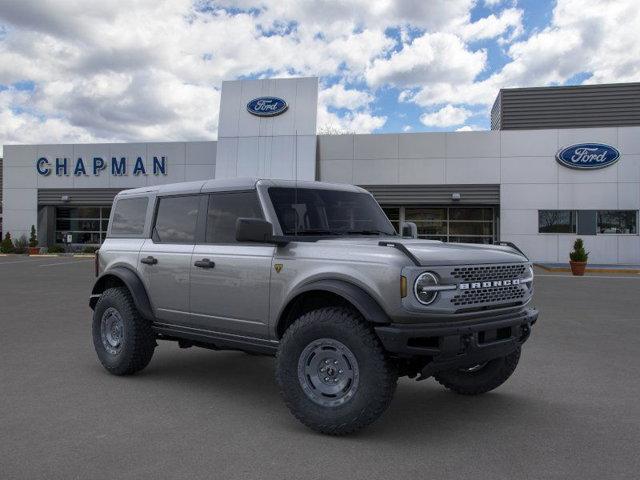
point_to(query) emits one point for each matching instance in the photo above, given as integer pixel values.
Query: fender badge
(278, 267)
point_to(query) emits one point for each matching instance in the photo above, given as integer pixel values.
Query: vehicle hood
(433, 252)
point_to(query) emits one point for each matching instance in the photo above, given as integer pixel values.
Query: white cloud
(351, 122)
(585, 36)
(20, 126)
(407, 128)
(152, 70)
(338, 96)
(358, 118)
(469, 128)
(447, 116)
(509, 20)
(331, 16)
(432, 57)
(492, 3)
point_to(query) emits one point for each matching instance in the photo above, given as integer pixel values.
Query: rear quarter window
(129, 216)
(176, 219)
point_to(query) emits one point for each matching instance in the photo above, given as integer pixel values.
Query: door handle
(205, 263)
(149, 260)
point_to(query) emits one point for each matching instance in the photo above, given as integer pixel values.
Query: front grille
(513, 293)
(481, 273)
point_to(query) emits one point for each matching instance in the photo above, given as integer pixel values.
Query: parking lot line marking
(16, 261)
(64, 263)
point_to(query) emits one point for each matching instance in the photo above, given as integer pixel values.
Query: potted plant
(7, 244)
(578, 258)
(33, 242)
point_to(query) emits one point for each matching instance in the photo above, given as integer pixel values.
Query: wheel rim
(328, 372)
(112, 330)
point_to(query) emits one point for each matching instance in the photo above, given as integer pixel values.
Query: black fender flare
(368, 307)
(132, 281)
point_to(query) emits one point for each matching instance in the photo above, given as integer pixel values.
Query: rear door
(165, 259)
(230, 280)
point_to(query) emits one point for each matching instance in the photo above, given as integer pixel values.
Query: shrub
(89, 249)
(7, 244)
(20, 245)
(579, 254)
(56, 249)
(33, 238)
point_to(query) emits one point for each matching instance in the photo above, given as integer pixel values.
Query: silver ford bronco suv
(315, 274)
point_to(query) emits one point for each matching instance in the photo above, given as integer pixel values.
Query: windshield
(307, 211)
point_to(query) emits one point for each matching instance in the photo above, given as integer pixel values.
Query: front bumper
(461, 344)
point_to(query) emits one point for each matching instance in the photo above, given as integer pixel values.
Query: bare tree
(333, 129)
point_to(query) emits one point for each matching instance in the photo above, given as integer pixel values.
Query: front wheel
(333, 372)
(480, 378)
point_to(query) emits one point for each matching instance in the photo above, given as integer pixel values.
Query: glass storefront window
(556, 221)
(485, 240)
(468, 228)
(464, 213)
(449, 224)
(588, 222)
(86, 225)
(424, 214)
(618, 221)
(78, 212)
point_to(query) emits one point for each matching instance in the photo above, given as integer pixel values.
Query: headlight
(425, 288)
(529, 278)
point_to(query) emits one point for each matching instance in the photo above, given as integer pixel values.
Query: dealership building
(559, 163)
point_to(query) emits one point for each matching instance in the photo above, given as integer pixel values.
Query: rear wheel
(480, 378)
(122, 339)
(333, 373)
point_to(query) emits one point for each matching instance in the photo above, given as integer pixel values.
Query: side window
(176, 219)
(129, 215)
(224, 209)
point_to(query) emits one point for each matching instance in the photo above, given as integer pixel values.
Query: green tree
(7, 244)
(33, 238)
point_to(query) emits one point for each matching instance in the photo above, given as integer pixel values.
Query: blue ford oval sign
(267, 106)
(588, 156)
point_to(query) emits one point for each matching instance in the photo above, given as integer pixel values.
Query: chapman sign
(267, 106)
(588, 156)
(96, 165)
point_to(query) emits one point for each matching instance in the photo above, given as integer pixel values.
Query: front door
(165, 259)
(230, 280)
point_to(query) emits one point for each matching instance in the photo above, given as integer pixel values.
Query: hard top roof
(230, 184)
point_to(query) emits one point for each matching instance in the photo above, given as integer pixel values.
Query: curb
(590, 269)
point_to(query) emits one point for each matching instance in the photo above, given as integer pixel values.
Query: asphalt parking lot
(571, 410)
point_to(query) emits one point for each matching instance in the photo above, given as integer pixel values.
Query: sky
(77, 71)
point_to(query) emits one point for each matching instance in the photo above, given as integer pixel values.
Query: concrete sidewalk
(591, 268)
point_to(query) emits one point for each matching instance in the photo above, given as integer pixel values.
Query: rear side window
(224, 209)
(176, 219)
(129, 215)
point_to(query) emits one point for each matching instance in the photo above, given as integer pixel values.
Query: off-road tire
(138, 339)
(377, 374)
(487, 378)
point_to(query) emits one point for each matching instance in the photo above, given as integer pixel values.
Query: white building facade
(476, 187)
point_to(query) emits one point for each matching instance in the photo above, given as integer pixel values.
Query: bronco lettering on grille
(489, 284)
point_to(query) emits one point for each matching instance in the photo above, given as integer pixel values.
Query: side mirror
(254, 230)
(409, 229)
